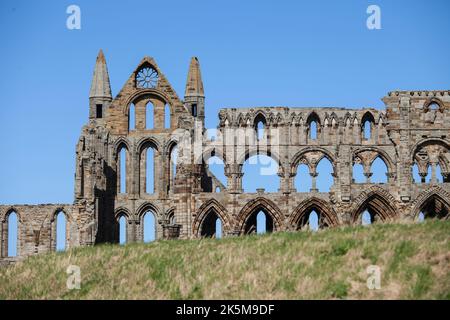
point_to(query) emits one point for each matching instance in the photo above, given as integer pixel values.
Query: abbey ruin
(187, 199)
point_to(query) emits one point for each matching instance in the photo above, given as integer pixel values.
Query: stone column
(433, 173)
(314, 184)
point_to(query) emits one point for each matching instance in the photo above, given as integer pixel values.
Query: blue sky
(252, 53)
(294, 53)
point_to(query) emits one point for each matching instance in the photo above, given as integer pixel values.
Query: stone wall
(414, 129)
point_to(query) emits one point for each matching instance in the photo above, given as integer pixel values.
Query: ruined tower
(146, 129)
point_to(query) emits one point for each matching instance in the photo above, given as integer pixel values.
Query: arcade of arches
(145, 170)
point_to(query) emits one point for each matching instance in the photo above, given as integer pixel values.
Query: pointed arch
(10, 235)
(215, 207)
(367, 126)
(313, 126)
(380, 153)
(260, 126)
(123, 167)
(59, 229)
(327, 216)
(148, 206)
(296, 159)
(429, 102)
(379, 202)
(122, 216)
(432, 194)
(253, 207)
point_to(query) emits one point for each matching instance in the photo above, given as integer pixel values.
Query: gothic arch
(330, 218)
(122, 211)
(169, 214)
(146, 94)
(10, 210)
(168, 147)
(380, 153)
(148, 206)
(144, 143)
(260, 116)
(295, 162)
(252, 206)
(428, 141)
(203, 212)
(313, 116)
(122, 142)
(430, 101)
(377, 200)
(57, 211)
(431, 193)
(210, 152)
(250, 152)
(368, 116)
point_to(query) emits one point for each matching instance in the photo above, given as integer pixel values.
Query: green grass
(414, 260)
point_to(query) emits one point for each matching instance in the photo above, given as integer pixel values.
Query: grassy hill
(414, 261)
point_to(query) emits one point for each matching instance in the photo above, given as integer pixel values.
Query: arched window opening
(379, 171)
(313, 122)
(415, 173)
(261, 226)
(61, 227)
(367, 130)
(421, 217)
(172, 218)
(150, 171)
(217, 190)
(366, 218)
(259, 222)
(435, 208)
(13, 234)
(260, 130)
(325, 178)
(358, 173)
(149, 116)
(194, 110)
(313, 221)
(217, 168)
(173, 160)
(131, 118)
(122, 230)
(433, 107)
(260, 172)
(259, 126)
(167, 117)
(123, 170)
(149, 227)
(211, 226)
(218, 228)
(368, 123)
(303, 180)
(313, 130)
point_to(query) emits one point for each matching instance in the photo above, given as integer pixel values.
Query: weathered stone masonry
(413, 129)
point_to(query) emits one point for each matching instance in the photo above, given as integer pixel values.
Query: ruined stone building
(187, 200)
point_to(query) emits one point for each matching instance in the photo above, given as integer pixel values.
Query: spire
(100, 87)
(194, 84)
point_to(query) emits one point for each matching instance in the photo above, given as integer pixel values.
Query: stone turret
(194, 96)
(100, 94)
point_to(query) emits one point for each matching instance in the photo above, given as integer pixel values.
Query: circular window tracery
(147, 78)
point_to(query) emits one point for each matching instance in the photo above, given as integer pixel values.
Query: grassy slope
(414, 260)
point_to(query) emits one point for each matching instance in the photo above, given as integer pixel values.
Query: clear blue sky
(252, 53)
